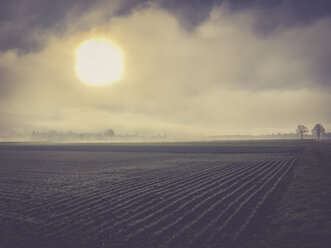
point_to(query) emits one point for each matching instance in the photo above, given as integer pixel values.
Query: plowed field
(65, 196)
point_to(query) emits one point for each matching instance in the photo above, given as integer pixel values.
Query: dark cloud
(20, 20)
(272, 13)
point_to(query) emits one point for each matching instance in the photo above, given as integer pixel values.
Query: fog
(221, 76)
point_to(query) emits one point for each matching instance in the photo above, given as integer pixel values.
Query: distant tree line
(54, 135)
(318, 131)
(107, 135)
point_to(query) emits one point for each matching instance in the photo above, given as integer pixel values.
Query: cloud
(26, 25)
(222, 77)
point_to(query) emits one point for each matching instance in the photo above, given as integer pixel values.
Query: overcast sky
(190, 67)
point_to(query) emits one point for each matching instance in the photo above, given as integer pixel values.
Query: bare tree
(318, 130)
(301, 129)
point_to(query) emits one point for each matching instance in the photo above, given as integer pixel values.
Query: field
(302, 216)
(140, 195)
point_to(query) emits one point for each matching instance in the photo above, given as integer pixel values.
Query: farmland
(139, 195)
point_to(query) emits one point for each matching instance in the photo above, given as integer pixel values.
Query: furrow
(261, 202)
(119, 208)
(87, 208)
(77, 192)
(175, 186)
(148, 205)
(203, 205)
(80, 201)
(269, 177)
(185, 202)
(211, 224)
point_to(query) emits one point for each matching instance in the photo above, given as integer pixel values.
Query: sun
(98, 62)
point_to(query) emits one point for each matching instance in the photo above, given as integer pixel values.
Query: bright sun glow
(98, 62)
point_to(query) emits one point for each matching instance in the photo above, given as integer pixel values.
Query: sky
(191, 68)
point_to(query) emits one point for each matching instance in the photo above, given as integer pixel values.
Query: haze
(190, 69)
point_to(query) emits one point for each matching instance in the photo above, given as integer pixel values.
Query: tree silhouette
(109, 133)
(301, 129)
(318, 130)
